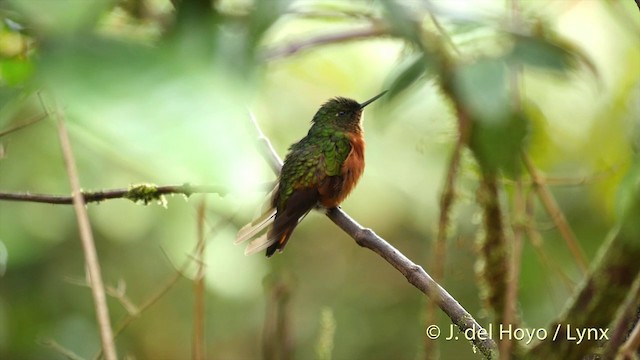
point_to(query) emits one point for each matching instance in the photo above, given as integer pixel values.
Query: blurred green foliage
(156, 91)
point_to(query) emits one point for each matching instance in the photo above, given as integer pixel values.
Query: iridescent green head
(342, 113)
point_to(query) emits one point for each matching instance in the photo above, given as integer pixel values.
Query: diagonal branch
(414, 273)
(23, 125)
(555, 213)
(68, 354)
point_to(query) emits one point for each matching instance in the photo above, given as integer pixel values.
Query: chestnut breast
(336, 188)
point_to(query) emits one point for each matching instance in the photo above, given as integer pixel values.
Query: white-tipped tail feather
(259, 244)
(256, 226)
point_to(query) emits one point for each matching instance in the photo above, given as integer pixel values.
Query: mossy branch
(604, 291)
(139, 193)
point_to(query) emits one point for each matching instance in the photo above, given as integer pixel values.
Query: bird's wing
(334, 153)
(297, 207)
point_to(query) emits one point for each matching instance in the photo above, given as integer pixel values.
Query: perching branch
(414, 273)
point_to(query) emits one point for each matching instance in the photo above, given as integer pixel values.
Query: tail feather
(259, 244)
(256, 226)
(260, 223)
(278, 242)
(280, 223)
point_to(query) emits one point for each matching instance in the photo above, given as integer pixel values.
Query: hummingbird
(319, 171)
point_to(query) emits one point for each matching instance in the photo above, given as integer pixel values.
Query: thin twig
(148, 303)
(557, 216)
(23, 125)
(414, 273)
(118, 293)
(88, 245)
(171, 281)
(61, 350)
(374, 30)
(536, 240)
(198, 345)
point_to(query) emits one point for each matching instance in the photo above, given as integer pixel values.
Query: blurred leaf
(464, 27)
(194, 30)
(629, 203)
(497, 144)
(551, 53)
(481, 86)
(401, 21)
(540, 144)
(334, 10)
(15, 72)
(8, 96)
(60, 16)
(538, 52)
(13, 25)
(497, 131)
(412, 69)
(12, 44)
(262, 17)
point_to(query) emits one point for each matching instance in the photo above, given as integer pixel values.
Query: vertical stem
(199, 312)
(446, 201)
(509, 316)
(277, 342)
(513, 267)
(493, 249)
(88, 245)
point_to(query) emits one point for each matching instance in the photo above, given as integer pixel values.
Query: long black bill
(372, 99)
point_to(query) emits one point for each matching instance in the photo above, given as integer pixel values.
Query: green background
(148, 98)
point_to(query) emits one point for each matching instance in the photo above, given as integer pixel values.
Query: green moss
(145, 194)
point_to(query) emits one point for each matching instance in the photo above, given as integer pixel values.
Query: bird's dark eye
(340, 113)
